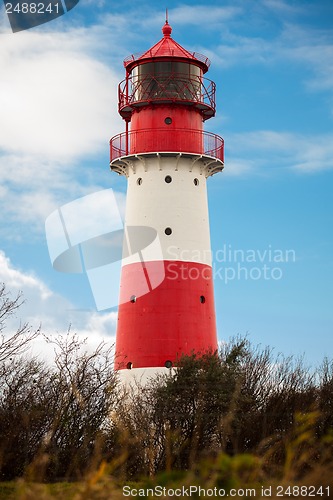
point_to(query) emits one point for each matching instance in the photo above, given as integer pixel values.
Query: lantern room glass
(166, 80)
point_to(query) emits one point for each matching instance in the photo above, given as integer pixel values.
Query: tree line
(63, 421)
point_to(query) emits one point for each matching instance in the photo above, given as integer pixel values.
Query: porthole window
(196, 182)
(168, 231)
(168, 364)
(202, 299)
(168, 179)
(129, 365)
(168, 120)
(139, 181)
(133, 299)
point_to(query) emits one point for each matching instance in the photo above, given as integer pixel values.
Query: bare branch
(19, 342)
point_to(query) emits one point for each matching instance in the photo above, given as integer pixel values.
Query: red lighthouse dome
(167, 157)
(167, 47)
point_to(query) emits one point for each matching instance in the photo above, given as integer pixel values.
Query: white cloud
(101, 324)
(52, 311)
(311, 48)
(32, 188)
(319, 61)
(58, 108)
(238, 166)
(283, 7)
(55, 98)
(269, 149)
(15, 280)
(200, 15)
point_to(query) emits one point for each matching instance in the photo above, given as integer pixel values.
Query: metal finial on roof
(167, 28)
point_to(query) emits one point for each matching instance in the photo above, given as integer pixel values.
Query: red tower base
(187, 292)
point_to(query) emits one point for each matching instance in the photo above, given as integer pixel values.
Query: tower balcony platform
(179, 141)
(165, 88)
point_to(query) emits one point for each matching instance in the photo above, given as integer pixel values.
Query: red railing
(160, 140)
(195, 55)
(195, 90)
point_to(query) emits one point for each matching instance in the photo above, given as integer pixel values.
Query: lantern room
(166, 73)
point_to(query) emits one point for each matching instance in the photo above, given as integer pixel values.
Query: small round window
(196, 182)
(139, 181)
(168, 120)
(168, 231)
(133, 299)
(129, 365)
(168, 364)
(168, 179)
(202, 299)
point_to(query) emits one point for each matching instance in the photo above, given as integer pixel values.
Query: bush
(54, 421)
(242, 400)
(239, 406)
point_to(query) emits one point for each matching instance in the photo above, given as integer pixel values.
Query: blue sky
(272, 61)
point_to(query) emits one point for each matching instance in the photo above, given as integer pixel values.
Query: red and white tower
(167, 157)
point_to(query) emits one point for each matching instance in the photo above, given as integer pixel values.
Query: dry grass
(308, 464)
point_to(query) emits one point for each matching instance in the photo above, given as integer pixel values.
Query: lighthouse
(166, 300)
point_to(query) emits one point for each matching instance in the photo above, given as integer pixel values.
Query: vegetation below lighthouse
(242, 419)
